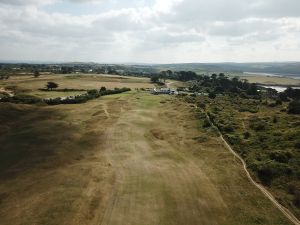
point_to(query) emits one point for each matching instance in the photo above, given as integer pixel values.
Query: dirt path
(157, 181)
(284, 210)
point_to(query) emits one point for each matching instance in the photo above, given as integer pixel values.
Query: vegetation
(267, 138)
(294, 107)
(50, 155)
(91, 94)
(51, 85)
(36, 74)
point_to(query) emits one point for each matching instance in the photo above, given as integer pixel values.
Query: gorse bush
(294, 107)
(22, 99)
(91, 94)
(257, 124)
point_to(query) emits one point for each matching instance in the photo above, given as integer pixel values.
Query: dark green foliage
(206, 123)
(91, 94)
(62, 90)
(212, 95)
(22, 99)
(283, 97)
(155, 79)
(281, 156)
(297, 145)
(51, 85)
(228, 129)
(294, 107)
(257, 124)
(296, 199)
(232, 139)
(247, 135)
(267, 171)
(293, 93)
(102, 89)
(252, 90)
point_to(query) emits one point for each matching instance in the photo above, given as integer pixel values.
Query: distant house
(166, 91)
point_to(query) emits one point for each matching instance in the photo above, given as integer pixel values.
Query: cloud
(164, 31)
(26, 2)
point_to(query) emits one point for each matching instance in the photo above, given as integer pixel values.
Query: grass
(271, 80)
(31, 85)
(266, 138)
(126, 158)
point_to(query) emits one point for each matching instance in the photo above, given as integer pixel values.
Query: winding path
(287, 213)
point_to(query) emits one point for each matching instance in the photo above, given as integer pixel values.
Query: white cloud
(166, 31)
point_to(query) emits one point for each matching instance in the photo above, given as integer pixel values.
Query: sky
(150, 31)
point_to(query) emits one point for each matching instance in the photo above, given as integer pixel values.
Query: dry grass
(268, 80)
(131, 159)
(30, 84)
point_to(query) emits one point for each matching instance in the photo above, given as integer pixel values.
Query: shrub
(297, 145)
(228, 129)
(202, 105)
(281, 156)
(294, 107)
(91, 94)
(247, 135)
(206, 123)
(267, 171)
(102, 89)
(257, 124)
(232, 139)
(296, 200)
(22, 99)
(212, 95)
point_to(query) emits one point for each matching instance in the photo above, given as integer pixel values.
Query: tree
(283, 97)
(252, 90)
(102, 89)
(51, 85)
(294, 107)
(36, 74)
(154, 79)
(212, 95)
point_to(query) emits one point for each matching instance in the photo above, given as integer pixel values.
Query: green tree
(212, 95)
(294, 107)
(102, 89)
(154, 79)
(51, 85)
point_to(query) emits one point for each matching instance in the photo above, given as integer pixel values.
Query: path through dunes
(165, 176)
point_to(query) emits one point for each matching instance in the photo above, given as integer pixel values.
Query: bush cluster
(91, 94)
(22, 99)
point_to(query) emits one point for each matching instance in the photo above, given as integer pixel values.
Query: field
(271, 80)
(132, 158)
(30, 85)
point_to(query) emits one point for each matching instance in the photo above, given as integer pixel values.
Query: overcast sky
(150, 31)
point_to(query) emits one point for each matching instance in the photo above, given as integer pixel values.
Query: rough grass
(105, 162)
(271, 80)
(266, 138)
(30, 84)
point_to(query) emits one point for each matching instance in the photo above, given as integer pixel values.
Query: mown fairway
(130, 159)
